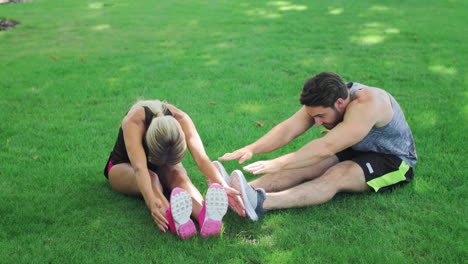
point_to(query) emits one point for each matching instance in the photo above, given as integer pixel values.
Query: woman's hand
(235, 200)
(158, 212)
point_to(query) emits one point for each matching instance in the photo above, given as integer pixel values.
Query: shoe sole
(181, 209)
(239, 183)
(216, 203)
(222, 170)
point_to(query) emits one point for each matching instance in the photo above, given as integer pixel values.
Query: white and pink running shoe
(214, 208)
(178, 213)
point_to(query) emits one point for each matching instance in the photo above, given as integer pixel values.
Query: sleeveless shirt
(395, 138)
(119, 153)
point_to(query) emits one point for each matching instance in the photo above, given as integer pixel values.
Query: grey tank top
(395, 138)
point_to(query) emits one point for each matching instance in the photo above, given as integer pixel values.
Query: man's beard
(334, 124)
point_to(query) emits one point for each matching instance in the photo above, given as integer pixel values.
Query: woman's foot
(214, 208)
(178, 213)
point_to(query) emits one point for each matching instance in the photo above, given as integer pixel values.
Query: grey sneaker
(223, 171)
(253, 198)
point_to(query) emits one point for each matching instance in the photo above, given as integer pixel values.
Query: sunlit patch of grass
(224, 45)
(96, 5)
(392, 31)
(262, 12)
(335, 11)
(286, 6)
(442, 69)
(101, 27)
(368, 39)
(292, 7)
(373, 33)
(379, 8)
(126, 68)
(253, 108)
(114, 81)
(279, 3)
(212, 62)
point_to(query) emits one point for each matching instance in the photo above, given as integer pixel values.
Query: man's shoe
(214, 208)
(223, 171)
(253, 198)
(178, 213)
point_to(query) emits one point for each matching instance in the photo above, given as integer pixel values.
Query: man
(369, 145)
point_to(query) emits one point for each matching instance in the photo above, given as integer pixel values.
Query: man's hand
(242, 155)
(263, 166)
(158, 212)
(235, 200)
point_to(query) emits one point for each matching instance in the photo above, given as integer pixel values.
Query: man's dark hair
(323, 90)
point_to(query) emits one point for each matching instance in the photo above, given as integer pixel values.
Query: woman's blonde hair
(164, 137)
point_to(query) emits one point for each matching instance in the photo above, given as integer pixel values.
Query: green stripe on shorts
(390, 178)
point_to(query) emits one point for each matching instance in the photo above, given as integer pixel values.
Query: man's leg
(346, 176)
(286, 179)
(176, 176)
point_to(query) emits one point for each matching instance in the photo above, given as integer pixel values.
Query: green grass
(60, 117)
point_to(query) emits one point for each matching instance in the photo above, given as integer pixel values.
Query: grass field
(71, 69)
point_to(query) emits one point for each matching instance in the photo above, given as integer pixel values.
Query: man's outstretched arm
(280, 135)
(358, 121)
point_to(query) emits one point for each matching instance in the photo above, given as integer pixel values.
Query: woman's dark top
(119, 153)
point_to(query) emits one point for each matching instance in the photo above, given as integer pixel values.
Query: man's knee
(338, 171)
(346, 176)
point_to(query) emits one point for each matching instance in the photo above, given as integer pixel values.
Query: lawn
(71, 69)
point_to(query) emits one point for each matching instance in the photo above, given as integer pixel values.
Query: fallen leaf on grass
(259, 124)
(83, 58)
(35, 157)
(54, 57)
(212, 102)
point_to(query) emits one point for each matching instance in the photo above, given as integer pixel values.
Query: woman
(146, 160)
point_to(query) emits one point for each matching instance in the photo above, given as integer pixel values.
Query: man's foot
(223, 171)
(179, 212)
(214, 208)
(253, 198)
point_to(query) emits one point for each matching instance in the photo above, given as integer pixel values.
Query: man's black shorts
(382, 171)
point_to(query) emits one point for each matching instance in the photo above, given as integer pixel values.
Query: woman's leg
(122, 179)
(176, 176)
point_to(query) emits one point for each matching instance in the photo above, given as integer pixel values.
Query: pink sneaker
(214, 208)
(178, 213)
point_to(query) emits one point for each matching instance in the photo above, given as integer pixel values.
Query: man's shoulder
(369, 93)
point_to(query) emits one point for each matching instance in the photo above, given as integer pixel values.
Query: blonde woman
(147, 161)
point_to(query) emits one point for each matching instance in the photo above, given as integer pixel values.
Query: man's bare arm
(276, 138)
(359, 119)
